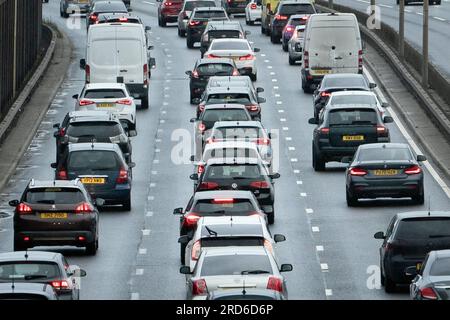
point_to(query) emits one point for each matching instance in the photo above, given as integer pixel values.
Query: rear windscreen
(54, 195)
(231, 153)
(211, 206)
(384, 154)
(93, 160)
(294, 8)
(235, 264)
(212, 69)
(353, 117)
(94, 129)
(232, 171)
(230, 45)
(190, 5)
(217, 34)
(225, 115)
(28, 270)
(238, 98)
(440, 267)
(104, 93)
(209, 14)
(354, 100)
(239, 133)
(420, 228)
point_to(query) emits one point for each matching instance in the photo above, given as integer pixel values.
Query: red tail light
(223, 201)
(235, 72)
(145, 74)
(60, 284)
(201, 127)
(194, 23)
(87, 69)
(201, 107)
(195, 74)
(84, 208)
(86, 102)
(358, 172)
(305, 18)
(123, 19)
(306, 59)
(62, 132)
(168, 4)
(275, 283)
(288, 29)
(23, 208)
(93, 17)
(252, 107)
(195, 253)
(325, 94)
(259, 184)
(262, 141)
(191, 219)
(62, 174)
(281, 17)
(381, 129)
(208, 185)
(123, 176)
(210, 140)
(211, 56)
(200, 169)
(360, 60)
(413, 170)
(199, 287)
(247, 57)
(324, 131)
(428, 293)
(127, 102)
(253, 6)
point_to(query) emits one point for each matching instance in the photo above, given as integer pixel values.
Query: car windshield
(225, 115)
(353, 117)
(209, 14)
(54, 195)
(343, 82)
(230, 45)
(190, 5)
(384, 154)
(212, 205)
(353, 100)
(223, 153)
(238, 98)
(211, 69)
(110, 6)
(440, 267)
(93, 160)
(217, 34)
(33, 270)
(235, 264)
(104, 93)
(239, 133)
(423, 228)
(232, 171)
(94, 129)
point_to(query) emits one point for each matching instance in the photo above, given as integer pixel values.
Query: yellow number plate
(324, 71)
(93, 180)
(105, 105)
(54, 215)
(388, 172)
(352, 138)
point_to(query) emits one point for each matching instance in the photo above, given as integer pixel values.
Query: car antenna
(26, 253)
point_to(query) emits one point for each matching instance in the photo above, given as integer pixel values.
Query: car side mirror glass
(286, 267)
(189, 73)
(53, 165)
(388, 119)
(194, 176)
(421, 158)
(275, 175)
(132, 133)
(372, 85)
(193, 120)
(151, 47)
(261, 100)
(14, 203)
(279, 238)
(183, 239)
(178, 211)
(411, 271)
(259, 89)
(379, 235)
(185, 270)
(346, 159)
(83, 64)
(148, 28)
(130, 10)
(192, 158)
(269, 135)
(384, 104)
(132, 165)
(99, 202)
(312, 121)
(75, 96)
(56, 126)
(256, 49)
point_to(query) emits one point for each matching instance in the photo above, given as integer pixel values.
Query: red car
(168, 11)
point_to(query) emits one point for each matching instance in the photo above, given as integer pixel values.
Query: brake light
(253, 6)
(199, 287)
(62, 174)
(325, 131)
(381, 129)
(201, 127)
(191, 219)
(127, 102)
(194, 23)
(360, 60)
(62, 132)
(208, 185)
(145, 74)
(168, 4)
(23, 208)
(325, 94)
(305, 18)
(259, 184)
(201, 107)
(88, 73)
(247, 57)
(123, 176)
(60, 284)
(428, 293)
(235, 72)
(288, 29)
(268, 245)
(195, 253)
(195, 74)
(211, 56)
(93, 17)
(200, 169)
(123, 19)
(263, 141)
(252, 107)
(275, 283)
(86, 102)
(413, 170)
(223, 201)
(306, 59)
(281, 17)
(84, 208)
(358, 172)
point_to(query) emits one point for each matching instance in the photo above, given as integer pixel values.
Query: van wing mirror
(421, 158)
(388, 119)
(83, 64)
(279, 238)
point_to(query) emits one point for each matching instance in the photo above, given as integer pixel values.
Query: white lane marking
(283, 119)
(288, 138)
(315, 229)
(135, 296)
(149, 214)
(324, 266)
(163, 112)
(364, 1)
(262, 54)
(150, 198)
(157, 140)
(272, 73)
(277, 95)
(269, 67)
(275, 87)
(156, 161)
(166, 88)
(319, 248)
(154, 172)
(303, 194)
(142, 251)
(294, 160)
(168, 80)
(274, 80)
(146, 232)
(408, 11)
(157, 150)
(439, 18)
(162, 121)
(299, 182)
(165, 103)
(309, 210)
(291, 148)
(167, 96)
(281, 111)
(139, 272)
(266, 61)
(385, 5)
(152, 185)
(328, 292)
(297, 171)
(279, 102)
(420, 13)
(410, 141)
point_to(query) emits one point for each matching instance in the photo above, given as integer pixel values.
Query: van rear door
(102, 60)
(131, 49)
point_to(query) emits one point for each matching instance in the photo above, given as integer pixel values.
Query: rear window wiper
(254, 272)
(439, 236)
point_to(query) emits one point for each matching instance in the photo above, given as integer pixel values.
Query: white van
(332, 44)
(117, 52)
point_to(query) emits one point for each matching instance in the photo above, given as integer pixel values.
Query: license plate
(93, 180)
(387, 172)
(106, 105)
(54, 215)
(321, 71)
(352, 138)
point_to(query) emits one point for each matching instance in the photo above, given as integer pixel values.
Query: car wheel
(318, 162)
(382, 279)
(263, 31)
(389, 285)
(189, 42)
(144, 102)
(191, 98)
(91, 248)
(306, 86)
(127, 204)
(274, 38)
(182, 254)
(19, 246)
(65, 15)
(253, 77)
(285, 47)
(420, 198)
(271, 217)
(246, 21)
(352, 201)
(291, 61)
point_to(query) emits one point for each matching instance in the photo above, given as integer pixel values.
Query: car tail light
(93, 17)
(381, 130)
(358, 172)
(324, 131)
(81, 238)
(223, 201)
(211, 56)
(247, 57)
(195, 74)
(275, 283)
(86, 102)
(123, 176)
(195, 253)
(199, 287)
(306, 59)
(236, 72)
(259, 184)
(262, 141)
(88, 73)
(281, 17)
(168, 4)
(23, 208)
(413, 170)
(62, 174)
(194, 23)
(190, 220)
(84, 208)
(201, 107)
(61, 132)
(26, 238)
(428, 293)
(200, 169)
(252, 107)
(268, 245)
(127, 102)
(305, 18)
(201, 127)
(288, 29)
(145, 74)
(60, 284)
(253, 6)
(360, 60)
(123, 19)
(208, 185)
(229, 1)
(325, 94)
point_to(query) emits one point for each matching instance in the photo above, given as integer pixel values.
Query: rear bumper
(306, 76)
(55, 238)
(195, 34)
(117, 196)
(138, 90)
(396, 188)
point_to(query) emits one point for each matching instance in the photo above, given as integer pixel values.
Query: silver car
(233, 268)
(186, 10)
(67, 7)
(295, 45)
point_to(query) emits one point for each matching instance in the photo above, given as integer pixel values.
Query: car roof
(32, 256)
(214, 60)
(221, 194)
(105, 85)
(230, 40)
(343, 76)
(93, 146)
(387, 145)
(230, 144)
(232, 161)
(54, 183)
(223, 25)
(237, 124)
(229, 89)
(234, 250)
(209, 9)
(225, 106)
(423, 214)
(353, 93)
(440, 254)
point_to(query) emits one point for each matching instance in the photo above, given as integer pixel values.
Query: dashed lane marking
(294, 160)
(281, 111)
(439, 18)
(297, 171)
(139, 272)
(146, 232)
(142, 251)
(328, 292)
(291, 148)
(303, 194)
(274, 80)
(283, 119)
(324, 266)
(149, 214)
(315, 229)
(288, 138)
(309, 210)
(285, 128)
(319, 248)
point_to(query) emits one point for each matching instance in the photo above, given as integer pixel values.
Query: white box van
(117, 52)
(332, 44)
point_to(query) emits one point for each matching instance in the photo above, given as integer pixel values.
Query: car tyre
(91, 248)
(389, 285)
(271, 217)
(318, 162)
(306, 86)
(182, 254)
(291, 61)
(352, 201)
(144, 102)
(189, 42)
(127, 204)
(253, 77)
(420, 198)
(274, 38)
(263, 30)
(162, 22)
(285, 47)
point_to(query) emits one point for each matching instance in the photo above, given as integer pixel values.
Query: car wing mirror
(14, 203)
(53, 165)
(256, 50)
(385, 104)
(421, 158)
(193, 120)
(194, 176)
(189, 73)
(279, 238)
(192, 158)
(261, 100)
(196, 100)
(247, 33)
(56, 125)
(379, 235)
(276, 175)
(132, 133)
(83, 64)
(151, 47)
(148, 28)
(75, 96)
(178, 211)
(346, 159)
(286, 267)
(259, 89)
(388, 119)
(411, 271)
(372, 85)
(99, 202)
(312, 121)
(131, 165)
(185, 270)
(183, 239)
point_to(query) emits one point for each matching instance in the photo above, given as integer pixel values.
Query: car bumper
(246, 68)
(137, 90)
(254, 15)
(314, 79)
(297, 55)
(117, 196)
(55, 238)
(396, 188)
(395, 270)
(195, 34)
(277, 29)
(77, 8)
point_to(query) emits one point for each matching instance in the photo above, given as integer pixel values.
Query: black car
(221, 29)
(102, 169)
(214, 203)
(206, 68)
(338, 82)
(282, 13)
(342, 129)
(199, 19)
(100, 7)
(240, 174)
(88, 126)
(432, 277)
(235, 6)
(27, 291)
(408, 239)
(384, 170)
(56, 213)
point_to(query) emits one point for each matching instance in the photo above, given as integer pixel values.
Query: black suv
(199, 19)
(408, 239)
(56, 213)
(221, 29)
(240, 174)
(342, 129)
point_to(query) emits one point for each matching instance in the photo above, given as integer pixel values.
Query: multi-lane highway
(330, 245)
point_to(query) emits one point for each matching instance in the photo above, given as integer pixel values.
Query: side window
(390, 228)
(190, 203)
(424, 264)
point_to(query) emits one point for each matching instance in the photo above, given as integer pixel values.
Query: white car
(355, 97)
(235, 81)
(253, 12)
(112, 97)
(225, 231)
(232, 268)
(237, 49)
